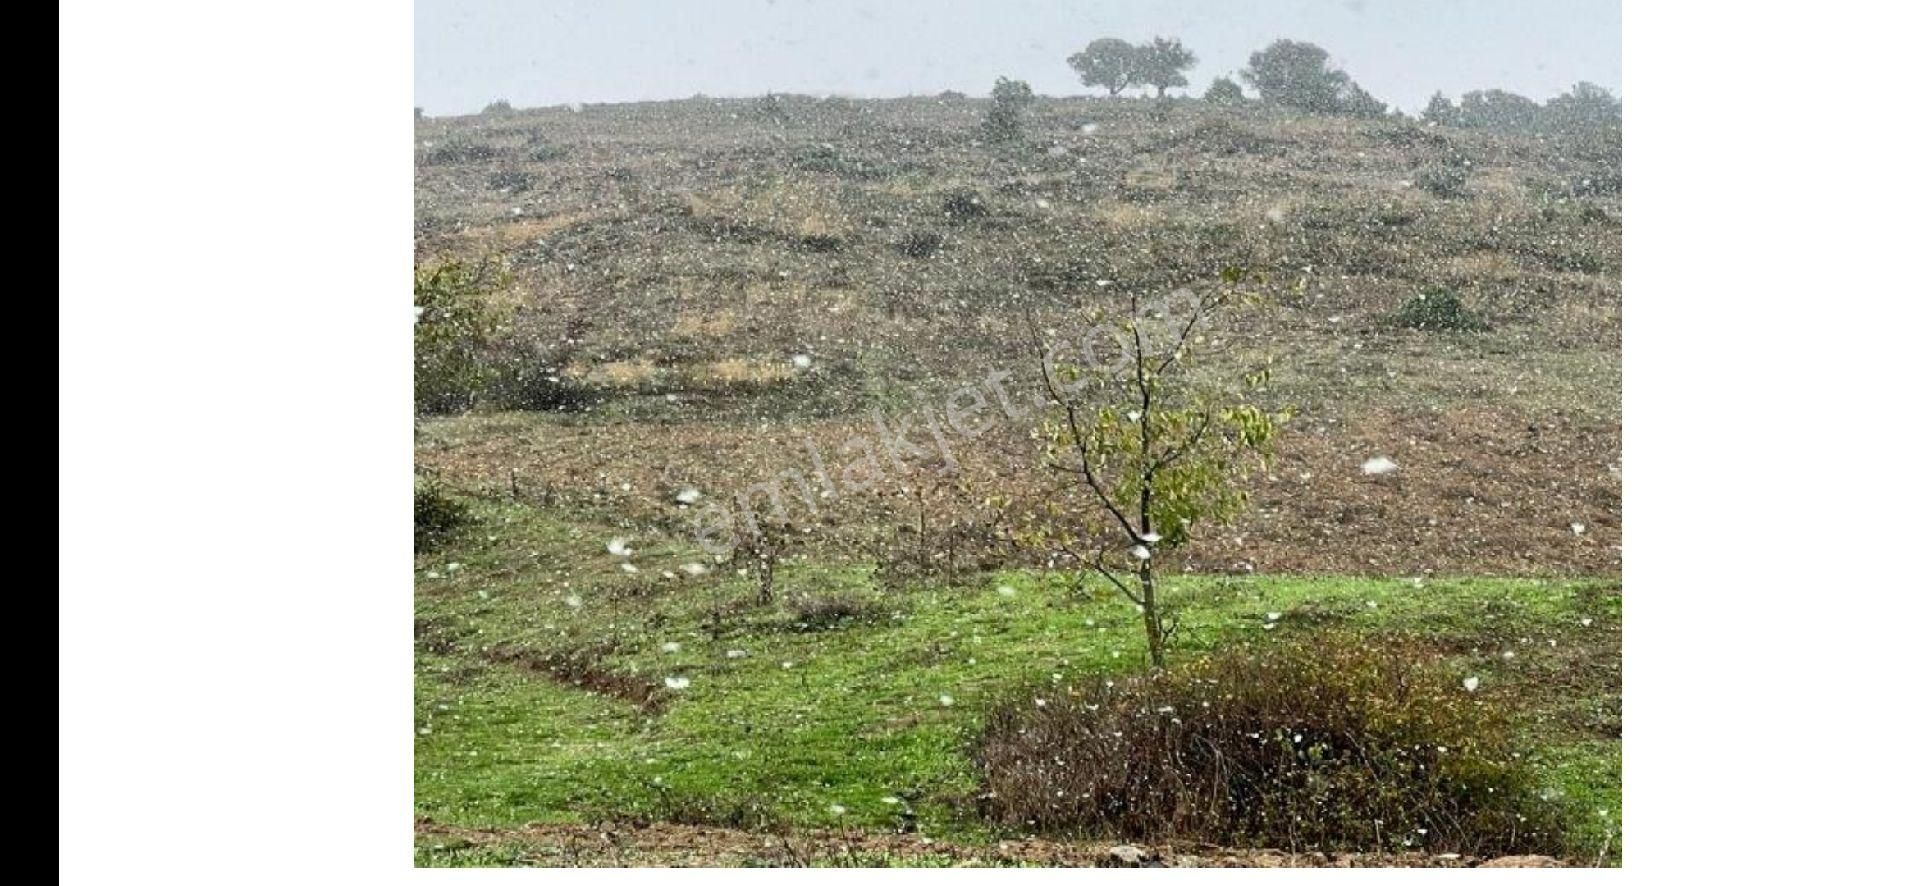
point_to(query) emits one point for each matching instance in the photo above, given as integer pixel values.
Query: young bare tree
(759, 552)
(1153, 446)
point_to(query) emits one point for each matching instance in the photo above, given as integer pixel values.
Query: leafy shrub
(1499, 110)
(1447, 181)
(437, 516)
(1339, 743)
(962, 205)
(1224, 92)
(1437, 309)
(771, 109)
(1601, 182)
(498, 106)
(832, 161)
(546, 152)
(1409, 136)
(454, 326)
(1010, 101)
(454, 151)
(521, 376)
(1585, 107)
(511, 181)
(1222, 135)
(920, 244)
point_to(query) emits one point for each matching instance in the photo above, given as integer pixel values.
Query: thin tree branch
(1101, 568)
(1073, 426)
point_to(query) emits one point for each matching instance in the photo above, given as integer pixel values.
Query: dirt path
(672, 845)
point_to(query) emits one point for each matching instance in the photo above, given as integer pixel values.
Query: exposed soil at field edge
(674, 845)
(1478, 491)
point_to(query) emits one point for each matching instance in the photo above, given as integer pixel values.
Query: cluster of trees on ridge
(1299, 75)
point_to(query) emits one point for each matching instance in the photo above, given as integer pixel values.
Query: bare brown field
(675, 258)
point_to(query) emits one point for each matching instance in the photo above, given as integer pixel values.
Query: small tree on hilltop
(1109, 63)
(1498, 109)
(1224, 92)
(1353, 101)
(1153, 450)
(1440, 111)
(1161, 64)
(1584, 107)
(1010, 101)
(1297, 75)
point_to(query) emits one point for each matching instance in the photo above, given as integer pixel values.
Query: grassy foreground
(869, 724)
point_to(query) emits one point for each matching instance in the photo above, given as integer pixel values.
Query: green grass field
(856, 726)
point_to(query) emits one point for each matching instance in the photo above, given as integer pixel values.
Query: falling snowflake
(574, 601)
(678, 683)
(802, 361)
(1141, 552)
(670, 647)
(694, 569)
(837, 809)
(1471, 683)
(1005, 590)
(1379, 464)
(629, 569)
(687, 496)
(1151, 537)
(736, 653)
(1579, 529)
(946, 701)
(618, 548)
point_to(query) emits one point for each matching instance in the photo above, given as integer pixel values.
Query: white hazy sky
(546, 52)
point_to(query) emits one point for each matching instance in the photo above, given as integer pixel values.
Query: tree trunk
(764, 572)
(1150, 613)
